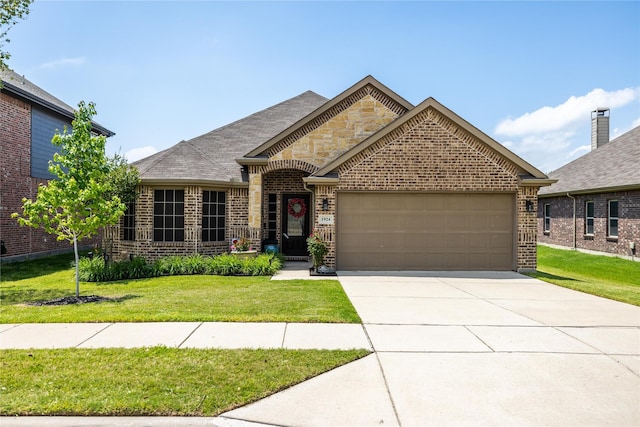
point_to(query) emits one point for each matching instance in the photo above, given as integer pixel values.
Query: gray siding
(43, 127)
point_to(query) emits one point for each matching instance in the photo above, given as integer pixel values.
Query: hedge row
(97, 270)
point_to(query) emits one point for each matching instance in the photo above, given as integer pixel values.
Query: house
(595, 203)
(386, 184)
(29, 117)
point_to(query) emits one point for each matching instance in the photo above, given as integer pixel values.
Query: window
(213, 216)
(168, 215)
(272, 215)
(547, 217)
(612, 229)
(129, 222)
(588, 220)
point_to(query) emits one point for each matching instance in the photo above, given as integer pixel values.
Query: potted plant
(242, 248)
(317, 249)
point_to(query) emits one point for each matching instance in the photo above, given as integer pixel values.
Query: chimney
(599, 127)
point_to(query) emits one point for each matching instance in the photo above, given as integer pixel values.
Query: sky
(528, 74)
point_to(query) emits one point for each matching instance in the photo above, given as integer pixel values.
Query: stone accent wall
(562, 223)
(362, 118)
(16, 183)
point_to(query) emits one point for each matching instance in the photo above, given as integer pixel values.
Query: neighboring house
(388, 186)
(595, 205)
(29, 117)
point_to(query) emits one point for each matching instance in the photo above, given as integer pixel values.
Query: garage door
(417, 231)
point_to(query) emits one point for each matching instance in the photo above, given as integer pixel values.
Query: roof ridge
(206, 156)
(255, 114)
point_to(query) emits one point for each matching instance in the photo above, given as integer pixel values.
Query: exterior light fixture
(325, 204)
(529, 205)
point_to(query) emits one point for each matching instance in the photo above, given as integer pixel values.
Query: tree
(10, 12)
(123, 179)
(80, 201)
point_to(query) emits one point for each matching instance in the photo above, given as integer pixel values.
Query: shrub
(96, 270)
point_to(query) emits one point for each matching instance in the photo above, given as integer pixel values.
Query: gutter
(27, 96)
(574, 220)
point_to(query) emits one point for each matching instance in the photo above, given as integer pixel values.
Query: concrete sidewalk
(470, 348)
(328, 336)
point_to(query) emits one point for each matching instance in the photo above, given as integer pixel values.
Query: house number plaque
(326, 219)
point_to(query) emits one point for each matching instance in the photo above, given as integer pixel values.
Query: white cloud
(52, 65)
(635, 123)
(139, 153)
(550, 137)
(574, 110)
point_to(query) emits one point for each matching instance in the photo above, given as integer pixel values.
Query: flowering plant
(240, 245)
(317, 248)
(296, 207)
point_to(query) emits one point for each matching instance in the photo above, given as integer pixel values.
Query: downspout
(574, 219)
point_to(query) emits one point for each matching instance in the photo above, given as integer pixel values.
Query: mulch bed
(84, 299)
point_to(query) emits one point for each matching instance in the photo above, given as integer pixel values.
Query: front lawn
(608, 277)
(172, 298)
(152, 381)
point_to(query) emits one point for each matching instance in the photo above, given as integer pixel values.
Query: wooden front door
(295, 224)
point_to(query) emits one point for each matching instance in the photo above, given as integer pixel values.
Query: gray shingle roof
(212, 157)
(615, 165)
(23, 88)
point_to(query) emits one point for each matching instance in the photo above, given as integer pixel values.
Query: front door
(295, 224)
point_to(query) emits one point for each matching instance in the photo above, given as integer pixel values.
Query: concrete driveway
(473, 349)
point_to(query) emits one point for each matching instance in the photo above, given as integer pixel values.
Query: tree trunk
(75, 250)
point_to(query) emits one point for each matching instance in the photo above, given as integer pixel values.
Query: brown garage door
(417, 231)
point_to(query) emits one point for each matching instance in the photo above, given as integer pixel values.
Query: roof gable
(366, 86)
(454, 124)
(613, 166)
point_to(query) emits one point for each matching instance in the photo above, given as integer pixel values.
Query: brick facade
(562, 222)
(17, 183)
(367, 142)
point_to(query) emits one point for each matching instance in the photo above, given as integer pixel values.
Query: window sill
(546, 233)
(612, 238)
(588, 237)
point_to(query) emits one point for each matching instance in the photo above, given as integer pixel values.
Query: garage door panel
(418, 231)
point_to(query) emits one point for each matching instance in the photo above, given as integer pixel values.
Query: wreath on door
(296, 207)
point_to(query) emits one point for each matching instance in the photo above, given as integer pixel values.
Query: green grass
(152, 381)
(174, 298)
(604, 276)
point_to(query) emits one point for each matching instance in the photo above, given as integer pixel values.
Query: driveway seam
(386, 386)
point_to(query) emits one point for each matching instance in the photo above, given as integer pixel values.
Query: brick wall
(16, 182)
(562, 223)
(431, 153)
(236, 214)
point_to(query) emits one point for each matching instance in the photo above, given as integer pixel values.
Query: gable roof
(611, 167)
(525, 167)
(22, 88)
(318, 116)
(212, 157)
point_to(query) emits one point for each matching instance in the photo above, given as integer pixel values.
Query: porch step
(296, 258)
